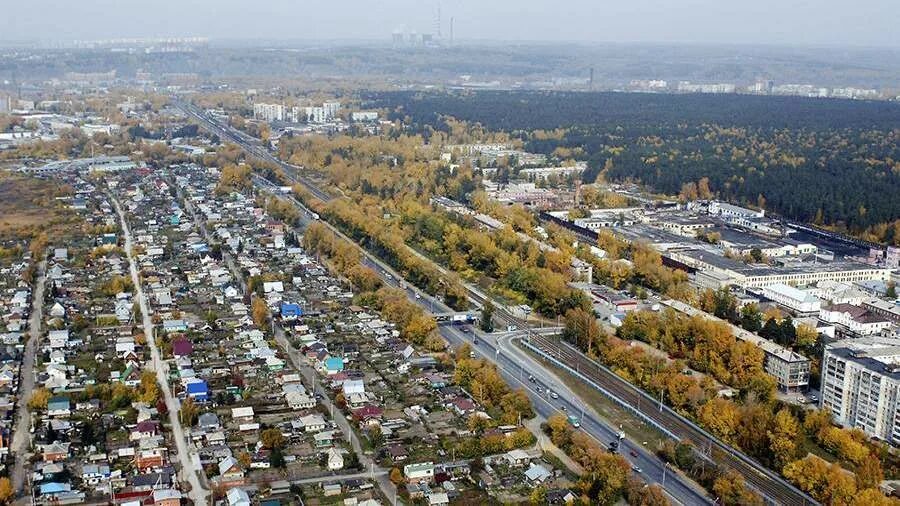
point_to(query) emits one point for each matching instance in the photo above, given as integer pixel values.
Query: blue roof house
(198, 391)
(333, 365)
(291, 310)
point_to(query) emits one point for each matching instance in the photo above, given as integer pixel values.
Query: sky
(779, 22)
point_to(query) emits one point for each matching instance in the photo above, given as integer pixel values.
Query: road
(22, 434)
(190, 470)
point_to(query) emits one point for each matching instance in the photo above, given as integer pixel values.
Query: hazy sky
(793, 22)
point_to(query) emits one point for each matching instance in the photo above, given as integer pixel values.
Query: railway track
(775, 488)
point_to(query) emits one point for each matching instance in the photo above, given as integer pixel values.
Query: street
(190, 470)
(22, 433)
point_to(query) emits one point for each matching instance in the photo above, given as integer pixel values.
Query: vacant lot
(29, 205)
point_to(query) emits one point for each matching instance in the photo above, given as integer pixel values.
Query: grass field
(29, 206)
(611, 412)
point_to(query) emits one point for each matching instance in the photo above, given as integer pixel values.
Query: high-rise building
(268, 112)
(861, 385)
(331, 109)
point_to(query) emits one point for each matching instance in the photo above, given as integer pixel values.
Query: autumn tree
(869, 473)
(39, 399)
(149, 388)
(784, 437)
(559, 430)
(538, 495)
(260, 313)
(827, 483)
(486, 322)
(6, 490)
(364, 278)
(188, 412)
(732, 491)
(581, 327)
(272, 438)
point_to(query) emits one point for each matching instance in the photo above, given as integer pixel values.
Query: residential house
(419, 472)
(230, 472)
(335, 460)
(59, 406)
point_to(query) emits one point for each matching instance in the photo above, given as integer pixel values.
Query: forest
(835, 163)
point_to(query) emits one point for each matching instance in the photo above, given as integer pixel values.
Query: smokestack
(451, 30)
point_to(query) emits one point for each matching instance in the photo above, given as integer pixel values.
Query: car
(562, 407)
(538, 389)
(471, 354)
(636, 469)
(418, 296)
(465, 330)
(554, 395)
(531, 378)
(475, 341)
(633, 453)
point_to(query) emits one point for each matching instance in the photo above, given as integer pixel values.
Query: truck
(574, 421)
(462, 318)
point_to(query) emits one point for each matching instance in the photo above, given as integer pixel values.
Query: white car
(554, 395)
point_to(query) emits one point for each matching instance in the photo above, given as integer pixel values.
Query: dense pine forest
(832, 162)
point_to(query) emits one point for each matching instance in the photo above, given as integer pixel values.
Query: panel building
(268, 112)
(861, 385)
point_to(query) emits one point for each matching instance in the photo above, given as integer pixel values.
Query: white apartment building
(726, 210)
(892, 257)
(364, 116)
(838, 293)
(315, 114)
(268, 112)
(861, 383)
(855, 319)
(543, 173)
(331, 109)
(800, 301)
